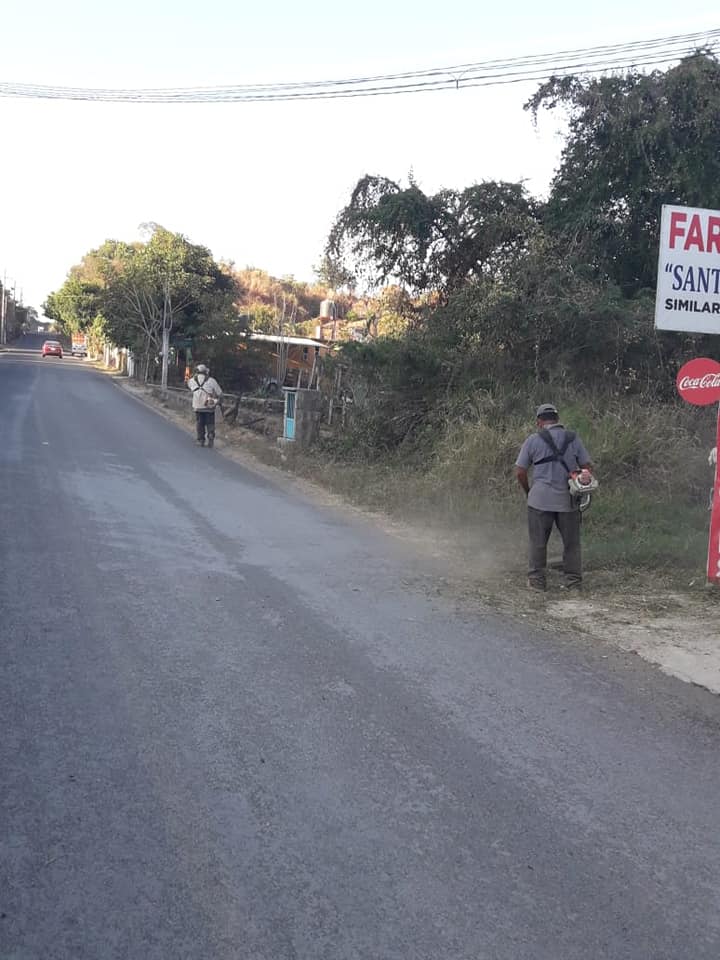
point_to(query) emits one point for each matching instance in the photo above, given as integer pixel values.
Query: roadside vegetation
(519, 301)
(475, 305)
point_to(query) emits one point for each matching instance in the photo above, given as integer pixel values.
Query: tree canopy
(429, 243)
(133, 289)
(509, 289)
(635, 142)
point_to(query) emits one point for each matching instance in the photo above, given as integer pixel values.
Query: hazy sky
(261, 183)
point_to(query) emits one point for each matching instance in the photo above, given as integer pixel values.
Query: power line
(532, 68)
(644, 53)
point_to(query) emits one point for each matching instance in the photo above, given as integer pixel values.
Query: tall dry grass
(651, 460)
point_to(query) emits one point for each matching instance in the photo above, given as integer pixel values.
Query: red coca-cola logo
(698, 381)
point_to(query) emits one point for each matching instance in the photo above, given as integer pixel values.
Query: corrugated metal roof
(295, 341)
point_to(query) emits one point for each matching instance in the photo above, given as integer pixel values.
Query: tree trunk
(165, 355)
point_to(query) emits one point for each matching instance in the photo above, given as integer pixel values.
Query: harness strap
(557, 454)
(201, 386)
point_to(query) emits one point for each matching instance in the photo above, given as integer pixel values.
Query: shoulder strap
(569, 437)
(557, 454)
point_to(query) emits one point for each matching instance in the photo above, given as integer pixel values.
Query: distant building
(299, 355)
(328, 310)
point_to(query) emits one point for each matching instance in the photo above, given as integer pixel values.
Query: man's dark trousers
(205, 422)
(540, 524)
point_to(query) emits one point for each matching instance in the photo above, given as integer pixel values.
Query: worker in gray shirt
(553, 454)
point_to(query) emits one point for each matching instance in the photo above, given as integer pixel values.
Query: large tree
(166, 282)
(140, 288)
(634, 142)
(76, 304)
(430, 242)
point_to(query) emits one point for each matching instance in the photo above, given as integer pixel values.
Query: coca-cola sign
(698, 381)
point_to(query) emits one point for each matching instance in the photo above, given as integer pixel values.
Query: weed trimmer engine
(582, 485)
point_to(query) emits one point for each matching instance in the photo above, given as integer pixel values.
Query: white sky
(260, 184)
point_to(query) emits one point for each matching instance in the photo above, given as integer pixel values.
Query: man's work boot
(211, 441)
(571, 586)
(537, 585)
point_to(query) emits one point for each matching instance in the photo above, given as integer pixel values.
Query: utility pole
(165, 335)
(3, 308)
(14, 310)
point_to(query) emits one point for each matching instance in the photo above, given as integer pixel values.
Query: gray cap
(546, 410)
(201, 368)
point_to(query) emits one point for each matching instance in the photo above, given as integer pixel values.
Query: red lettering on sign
(677, 227)
(713, 236)
(695, 235)
(704, 237)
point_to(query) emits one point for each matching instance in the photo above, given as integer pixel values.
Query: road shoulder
(676, 631)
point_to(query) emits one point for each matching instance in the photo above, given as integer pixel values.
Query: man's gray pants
(540, 524)
(205, 421)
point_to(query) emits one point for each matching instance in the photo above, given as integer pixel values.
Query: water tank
(328, 310)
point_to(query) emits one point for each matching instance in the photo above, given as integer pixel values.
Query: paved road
(234, 725)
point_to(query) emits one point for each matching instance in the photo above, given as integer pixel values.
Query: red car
(51, 348)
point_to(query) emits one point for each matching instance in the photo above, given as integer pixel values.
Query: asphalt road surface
(234, 723)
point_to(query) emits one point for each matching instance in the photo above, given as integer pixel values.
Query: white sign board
(688, 282)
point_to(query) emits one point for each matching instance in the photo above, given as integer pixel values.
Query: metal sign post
(688, 301)
(698, 382)
(713, 564)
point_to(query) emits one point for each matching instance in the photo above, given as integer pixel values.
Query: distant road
(32, 342)
(236, 725)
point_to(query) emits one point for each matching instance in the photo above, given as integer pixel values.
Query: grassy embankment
(649, 517)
